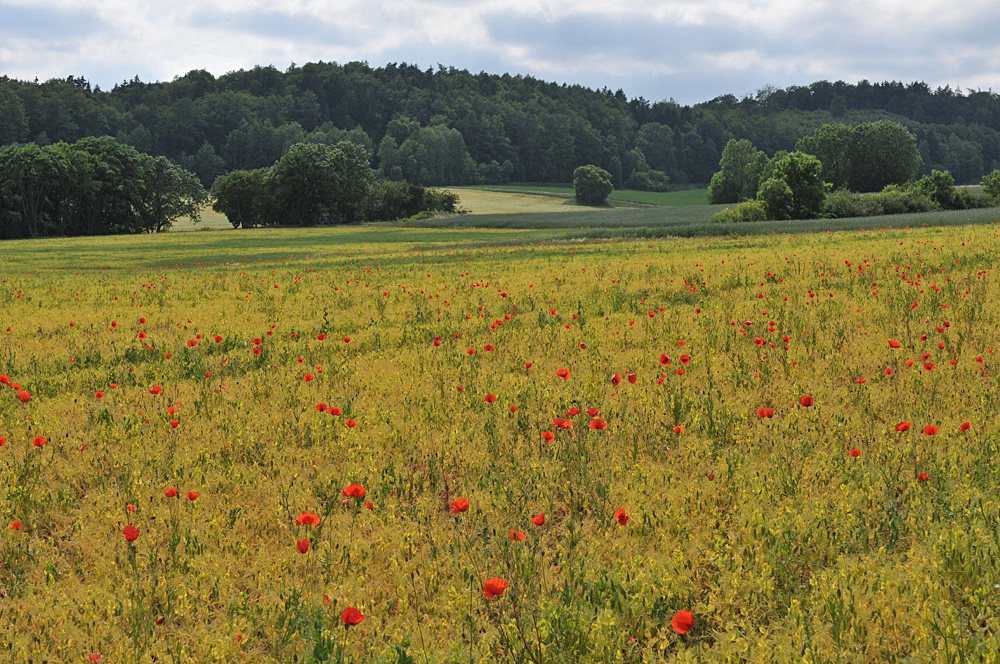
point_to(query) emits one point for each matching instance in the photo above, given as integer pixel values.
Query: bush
(649, 180)
(939, 187)
(592, 185)
(776, 197)
(894, 199)
(752, 210)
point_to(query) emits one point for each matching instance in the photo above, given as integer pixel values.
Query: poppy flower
(621, 515)
(806, 401)
(334, 410)
(352, 616)
(308, 377)
(889, 371)
(517, 536)
(538, 519)
(354, 491)
(320, 407)
(490, 398)
(593, 412)
(765, 412)
(174, 424)
(682, 622)
(98, 395)
(39, 441)
(95, 657)
(528, 365)
(321, 337)
(347, 340)
(460, 505)
(855, 453)
(598, 425)
(369, 506)
(3, 441)
(632, 377)
(923, 477)
(257, 351)
(548, 436)
(665, 360)
(685, 360)
(894, 344)
(130, 532)
(563, 373)
(494, 587)
(16, 525)
(218, 338)
(930, 430)
(929, 366)
(562, 423)
(25, 397)
(350, 423)
(192, 495)
(192, 343)
(965, 426)
(679, 429)
(130, 507)
(903, 426)
(156, 389)
(573, 411)
(307, 519)
(616, 379)
(302, 545)
(170, 493)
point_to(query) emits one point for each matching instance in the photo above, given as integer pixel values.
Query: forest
(448, 126)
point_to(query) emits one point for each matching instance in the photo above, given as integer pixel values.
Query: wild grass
(783, 545)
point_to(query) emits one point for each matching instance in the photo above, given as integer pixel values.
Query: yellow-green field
(820, 534)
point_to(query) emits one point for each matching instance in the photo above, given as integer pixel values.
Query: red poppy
(621, 515)
(685, 360)
(320, 407)
(354, 491)
(903, 426)
(192, 495)
(598, 425)
(192, 343)
(308, 377)
(679, 428)
(95, 657)
(562, 423)
(517, 536)
(352, 616)
(256, 351)
(538, 519)
(350, 423)
(765, 412)
(39, 441)
(130, 532)
(218, 339)
(573, 411)
(130, 507)
(548, 436)
(490, 398)
(334, 410)
(174, 423)
(528, 365)
(308, 519)
(889, 371)
(347, 340)
(98, 395)
(25, 397)
(369, 506)
(171, 492)
(302, 545)
(923, 477)
(593, 412)
(855, 453)
(156, 389)
(665, 360)
(616, 379)
(494, 587)
(3, 441)
(321, 337)
(563, 373)
(965, 426)
(683, 622)
(930, 430)
(16, 525)
(894, 344)
(632, 377)
(806, 401)
(460, 505)
(929, 366)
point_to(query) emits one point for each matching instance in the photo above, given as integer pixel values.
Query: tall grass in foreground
(203, 413)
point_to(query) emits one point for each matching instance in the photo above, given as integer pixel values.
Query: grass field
(676, 198)
(793, 437)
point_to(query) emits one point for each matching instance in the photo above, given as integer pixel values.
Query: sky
(686, 50)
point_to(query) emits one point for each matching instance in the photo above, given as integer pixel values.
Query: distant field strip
(679, 198)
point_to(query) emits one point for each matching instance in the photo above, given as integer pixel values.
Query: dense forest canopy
(450, 126)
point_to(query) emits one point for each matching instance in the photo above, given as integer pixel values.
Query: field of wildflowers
(374, 445)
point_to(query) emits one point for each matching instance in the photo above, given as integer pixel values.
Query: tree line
(838, 171)
(98, 186)
(448, 126)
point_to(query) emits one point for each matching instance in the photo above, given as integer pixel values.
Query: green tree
(939, 187)
(317, 184)
(803, 174)
(830, 144)
(30, 177)
(168, 193)
(592, 185)
(991, 184)
(881, 153)
(13, 120)
(739, 173)
(241, 196)
(777, 198)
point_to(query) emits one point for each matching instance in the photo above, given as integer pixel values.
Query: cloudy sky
(689, 50)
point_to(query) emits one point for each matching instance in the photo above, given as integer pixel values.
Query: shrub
(991, 184)
(894, 199)
(939, 186)
(592, 185)
(776, 197)
(752, 210)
